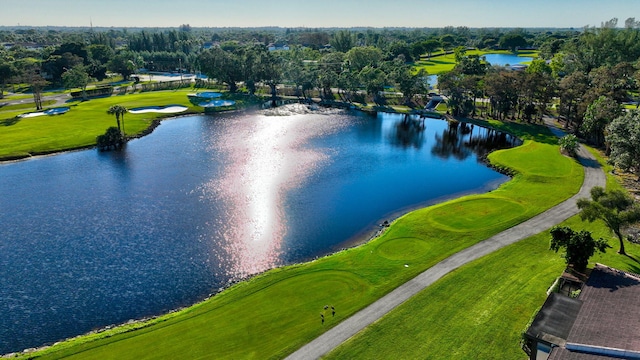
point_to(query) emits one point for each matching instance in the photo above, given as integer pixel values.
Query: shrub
(569, 144)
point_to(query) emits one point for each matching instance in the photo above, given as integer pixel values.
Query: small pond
(506, 59)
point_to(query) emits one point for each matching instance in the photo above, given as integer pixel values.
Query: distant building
(518, 67)
(602, 322)
(26, 45)
(277, 46)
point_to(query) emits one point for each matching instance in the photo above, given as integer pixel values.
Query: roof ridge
(626, 273)
(602, 350)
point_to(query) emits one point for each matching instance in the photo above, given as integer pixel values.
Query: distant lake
(94, 238)
(493, 59)
(506, 59)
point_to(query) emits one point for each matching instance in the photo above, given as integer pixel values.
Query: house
(602, 322)
(278, 46)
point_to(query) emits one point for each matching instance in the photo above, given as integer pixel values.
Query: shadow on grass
(633, 268)
(11, 121)
(632, 258)
(441, 62)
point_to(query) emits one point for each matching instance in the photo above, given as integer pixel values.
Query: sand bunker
(169, 109)
(52, 111)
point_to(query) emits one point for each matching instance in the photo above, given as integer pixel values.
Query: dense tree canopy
(585, 65)
(579, 246)
(77, 77)
(623, 137)
(614, 207)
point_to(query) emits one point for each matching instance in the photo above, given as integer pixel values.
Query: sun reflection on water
(267, 158)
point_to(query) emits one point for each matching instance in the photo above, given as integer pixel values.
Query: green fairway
(479, 310)
(275, 313)
(79, 127)
(474, 214)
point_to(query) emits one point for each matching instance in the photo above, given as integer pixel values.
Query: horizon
(561, 14)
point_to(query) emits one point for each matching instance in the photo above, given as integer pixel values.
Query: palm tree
(118, 111)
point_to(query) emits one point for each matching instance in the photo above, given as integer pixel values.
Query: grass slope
(275, 313)
(480, 310)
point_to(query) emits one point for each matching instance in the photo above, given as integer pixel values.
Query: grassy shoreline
(286, 301)
(24, 138)
(480, 310)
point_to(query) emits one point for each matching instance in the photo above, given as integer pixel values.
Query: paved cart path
(594, 176)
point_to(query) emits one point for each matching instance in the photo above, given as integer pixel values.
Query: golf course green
(479, 309)
(274, 313)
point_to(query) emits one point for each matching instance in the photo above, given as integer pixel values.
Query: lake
(94, 238)
(506, 59)
(493, 59)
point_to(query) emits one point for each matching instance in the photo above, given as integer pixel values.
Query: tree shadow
(590, 163)
(9, 122)
(441, 62)
(632, 258)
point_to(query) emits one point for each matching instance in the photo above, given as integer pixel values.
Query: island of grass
(273, 314)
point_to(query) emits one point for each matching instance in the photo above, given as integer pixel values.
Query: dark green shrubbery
(111, 139)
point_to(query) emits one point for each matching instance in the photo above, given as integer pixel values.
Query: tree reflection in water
(409, 132)
(460, 140)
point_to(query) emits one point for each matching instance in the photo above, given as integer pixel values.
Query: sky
(311, 14)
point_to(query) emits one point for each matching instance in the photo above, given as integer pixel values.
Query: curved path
(594, 176)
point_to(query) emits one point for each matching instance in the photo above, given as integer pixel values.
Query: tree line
(586, 79)
(50, 52)
(585, 75)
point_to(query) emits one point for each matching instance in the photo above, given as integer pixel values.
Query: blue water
(91, 239)
(208, 95)
(57, 110)
(432, 80)
(505, 59)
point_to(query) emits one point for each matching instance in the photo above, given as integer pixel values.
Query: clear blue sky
(320, 13)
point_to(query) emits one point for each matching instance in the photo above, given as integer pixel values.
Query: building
(602, 322)
(278, 46)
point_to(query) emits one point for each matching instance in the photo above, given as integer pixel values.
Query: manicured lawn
(17, 96)
(80, 126)
(273, 314)
(26, 107)
(479, 310)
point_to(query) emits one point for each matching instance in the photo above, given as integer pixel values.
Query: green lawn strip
(480, 310)
(273, 314)
(24, 106)
(79, 127)
(10, 97)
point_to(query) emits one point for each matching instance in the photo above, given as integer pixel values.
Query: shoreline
(39, 154)
(154, 123)
(365, 236)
